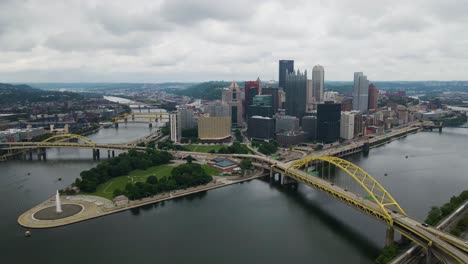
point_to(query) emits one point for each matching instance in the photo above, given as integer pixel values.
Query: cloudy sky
(198, 40)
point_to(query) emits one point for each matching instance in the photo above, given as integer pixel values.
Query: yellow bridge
(368, 196)
(141, 117)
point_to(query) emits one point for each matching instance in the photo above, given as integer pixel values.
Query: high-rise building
(296, 93)
(310, 97)
(214, 128)
(285, 67)
(286, 123)
(251, 89)
(373, 97)
(328, 122)
(233, 97)
(261, 128)
(186, 118)
(274, 92)
(262, 105)
(175, 123)
(347, 125)
(217, 109)
(318, 78)
(360, 92)
(309, 125)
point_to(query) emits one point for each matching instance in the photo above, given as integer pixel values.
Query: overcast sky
(198, 40)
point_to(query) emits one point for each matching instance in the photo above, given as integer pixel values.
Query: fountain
(58, 206)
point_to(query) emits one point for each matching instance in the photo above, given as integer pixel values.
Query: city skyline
(162, 41)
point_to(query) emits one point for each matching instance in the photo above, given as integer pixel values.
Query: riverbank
(94, 206)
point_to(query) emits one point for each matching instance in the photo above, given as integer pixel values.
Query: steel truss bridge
(357, 189)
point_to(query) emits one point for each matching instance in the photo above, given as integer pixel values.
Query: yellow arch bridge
(360, 190)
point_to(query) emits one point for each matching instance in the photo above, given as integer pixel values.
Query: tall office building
(274, 92)
(262, 105)
(217, 109)
(186, 118)
(261, 128)
(175, 123)
(251, 89)
(309, 125)
(285, 67)
(286, 123)
(360, 92)
(310, 97)
(296, 93)
(318, 78)
(373, 97)
(347, 125)
(328, 122)
(233, 97)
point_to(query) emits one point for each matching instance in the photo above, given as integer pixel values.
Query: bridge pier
(41, 154)
(150, 124)
(96, 154)
(116, 124)
(30, 154)
(113, 153)
(428, 252)
(108, 154)
(390, 236)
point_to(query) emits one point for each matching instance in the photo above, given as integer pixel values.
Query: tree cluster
(436, 214)
(182, 177)
(169, 144)
(266, 148)
(461, 226)
(119, 166)
(235, 148)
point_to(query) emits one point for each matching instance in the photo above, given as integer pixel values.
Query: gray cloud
(196, 40)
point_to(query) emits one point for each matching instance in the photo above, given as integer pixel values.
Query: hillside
(20, 94)
(206, 90)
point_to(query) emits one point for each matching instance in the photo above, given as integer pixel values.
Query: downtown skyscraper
(296, 93)
(360, 92)
(318, 77)
(285, 67)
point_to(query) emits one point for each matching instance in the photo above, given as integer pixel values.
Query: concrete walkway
(94, 206)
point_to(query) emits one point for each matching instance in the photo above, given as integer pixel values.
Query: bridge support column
(30, 154)
(108, 154)
(150, 124)
(390, 236)
(116, 124)
(113, 153)
(98, 156)
(428, 255)
(440, 129)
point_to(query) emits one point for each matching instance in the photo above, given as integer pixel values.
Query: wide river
(254, 222)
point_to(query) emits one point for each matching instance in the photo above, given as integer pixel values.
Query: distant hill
(205, 91)
(20, 94)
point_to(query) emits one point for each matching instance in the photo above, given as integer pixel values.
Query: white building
(318, 77)
(347, 125)
(175, 123)
(360, 92)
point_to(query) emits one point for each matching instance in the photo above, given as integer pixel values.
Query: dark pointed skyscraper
(285, 66)
(296, 93)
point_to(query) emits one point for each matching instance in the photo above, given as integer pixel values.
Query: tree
(152, 180)
(189, 159)
(245, 165)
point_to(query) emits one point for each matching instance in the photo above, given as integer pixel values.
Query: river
(254, 222)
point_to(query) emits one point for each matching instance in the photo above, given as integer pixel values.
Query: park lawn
(107, 189)
(204, 149)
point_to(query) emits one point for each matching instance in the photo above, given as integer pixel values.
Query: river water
(254, 222)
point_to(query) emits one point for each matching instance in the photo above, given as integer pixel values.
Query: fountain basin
(49, 213)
